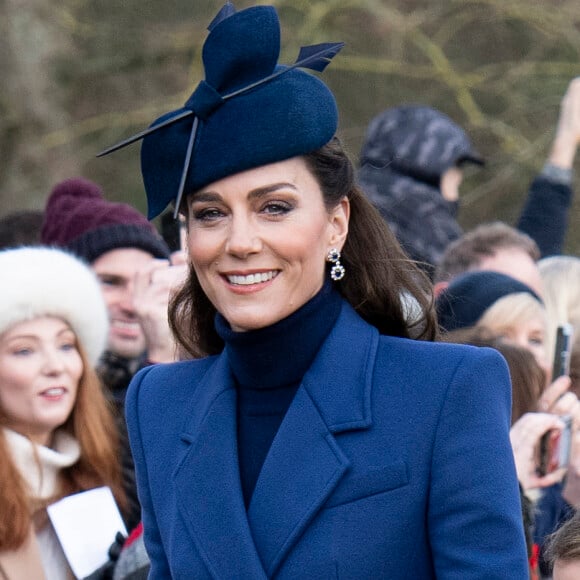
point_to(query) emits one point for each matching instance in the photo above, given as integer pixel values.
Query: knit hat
(465, 300)
(77, 217)
(249, 111)
(50, 282)
(417, 141)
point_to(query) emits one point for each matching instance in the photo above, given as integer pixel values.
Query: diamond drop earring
(337, 271)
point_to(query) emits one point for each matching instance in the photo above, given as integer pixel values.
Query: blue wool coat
(393, 461)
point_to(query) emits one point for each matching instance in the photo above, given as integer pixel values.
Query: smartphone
(554, 448)
(563, 350)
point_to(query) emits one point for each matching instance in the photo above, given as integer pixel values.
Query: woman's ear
(339, 218)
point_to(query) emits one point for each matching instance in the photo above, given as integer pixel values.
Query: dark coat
(116, 373)
(393, 461)
(545, 214)
(421, 219)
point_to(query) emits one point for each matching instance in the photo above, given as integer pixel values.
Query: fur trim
(39, 281)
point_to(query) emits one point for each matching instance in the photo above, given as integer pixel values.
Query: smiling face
(116, 271)
(40, 370)
(258, 241)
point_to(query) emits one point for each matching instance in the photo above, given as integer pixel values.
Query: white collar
(40, 465)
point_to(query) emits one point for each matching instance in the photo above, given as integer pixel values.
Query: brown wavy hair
(382, 283)
(91, 423)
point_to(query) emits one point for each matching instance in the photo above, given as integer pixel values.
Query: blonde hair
(561, 279)
(512, 310)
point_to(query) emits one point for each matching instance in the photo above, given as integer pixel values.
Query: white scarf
(40, 470)
(40, 466)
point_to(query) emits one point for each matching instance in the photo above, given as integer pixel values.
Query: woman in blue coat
(314, 435)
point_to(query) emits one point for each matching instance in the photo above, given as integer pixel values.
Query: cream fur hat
(38, 281)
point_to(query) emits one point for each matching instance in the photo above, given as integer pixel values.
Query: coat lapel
(305, 463)
(209, 483)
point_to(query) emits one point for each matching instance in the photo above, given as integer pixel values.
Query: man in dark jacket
(411, 168)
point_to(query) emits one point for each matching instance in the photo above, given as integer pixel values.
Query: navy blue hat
(465, 300)
(249, 111)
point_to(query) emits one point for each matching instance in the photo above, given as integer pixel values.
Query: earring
(337, 271)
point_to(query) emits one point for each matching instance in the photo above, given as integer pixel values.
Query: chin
(125, 350)
(51, 424)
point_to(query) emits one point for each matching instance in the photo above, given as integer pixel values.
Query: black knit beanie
(465, 300)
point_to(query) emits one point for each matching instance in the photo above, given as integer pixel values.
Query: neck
(280, 354)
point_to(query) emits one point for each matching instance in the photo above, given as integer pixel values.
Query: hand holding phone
(553, 451)
(525, 435)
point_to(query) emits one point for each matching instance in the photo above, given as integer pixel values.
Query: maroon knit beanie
(77, 217)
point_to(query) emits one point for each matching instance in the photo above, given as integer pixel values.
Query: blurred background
(79, 75)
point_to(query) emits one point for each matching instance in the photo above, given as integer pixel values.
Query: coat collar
(208, 480)
(340, 379)
(41, 466)
(302, 468)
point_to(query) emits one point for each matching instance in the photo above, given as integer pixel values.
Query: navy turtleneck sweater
(268, 365)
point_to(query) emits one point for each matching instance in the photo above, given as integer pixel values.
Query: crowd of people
(325, 378)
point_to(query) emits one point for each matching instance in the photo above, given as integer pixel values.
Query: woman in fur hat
(55, 426)
(311, 438)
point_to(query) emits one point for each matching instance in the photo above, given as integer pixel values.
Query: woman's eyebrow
(23, 336)
(212, 196)
(262, 191)
(208, 196)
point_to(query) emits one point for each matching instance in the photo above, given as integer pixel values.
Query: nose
(125, 299)
(53, 362)
(243, 238)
